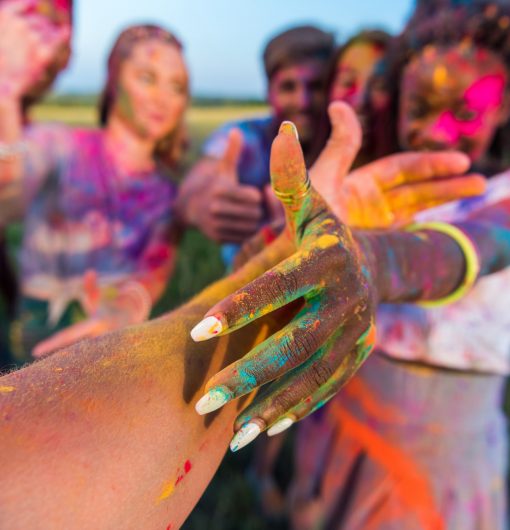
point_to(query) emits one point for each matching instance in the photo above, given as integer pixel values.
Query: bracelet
(470, 255)
(9, 151)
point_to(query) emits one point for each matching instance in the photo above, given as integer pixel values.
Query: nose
(303, 97)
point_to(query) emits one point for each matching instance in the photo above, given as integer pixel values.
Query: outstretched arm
(105, 435)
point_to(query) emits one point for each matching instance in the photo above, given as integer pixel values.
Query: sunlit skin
(296, 93)
(353, 70)
(153, 90)
(453, 98)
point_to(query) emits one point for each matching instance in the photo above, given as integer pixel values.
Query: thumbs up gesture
(213, 200)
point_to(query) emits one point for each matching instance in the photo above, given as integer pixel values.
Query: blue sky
(223, 39)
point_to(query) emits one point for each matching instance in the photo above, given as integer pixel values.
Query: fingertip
(206, 329)
(459, 161)
(287, 163)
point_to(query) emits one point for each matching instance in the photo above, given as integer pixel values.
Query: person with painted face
(353, 66)
(56, 18)
(96, 203)
(424, 414)
(227, 193)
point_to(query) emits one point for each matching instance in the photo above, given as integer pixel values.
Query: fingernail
(244, 436)
(287, 127)
(280, 426)
(213, 400)
(206, 329)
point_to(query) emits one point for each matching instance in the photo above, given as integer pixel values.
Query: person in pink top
(96, 203)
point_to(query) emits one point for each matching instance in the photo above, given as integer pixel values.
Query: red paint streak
(187, 469)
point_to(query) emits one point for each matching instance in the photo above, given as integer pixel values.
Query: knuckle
(319, 373)
(281, 403)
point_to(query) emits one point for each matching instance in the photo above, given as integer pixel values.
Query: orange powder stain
(410, 482)
(7, 389)
(168, 490)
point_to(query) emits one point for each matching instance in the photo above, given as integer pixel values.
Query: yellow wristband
(470, 255)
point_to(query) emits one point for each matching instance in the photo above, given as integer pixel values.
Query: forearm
(428, 265)
(109, 426)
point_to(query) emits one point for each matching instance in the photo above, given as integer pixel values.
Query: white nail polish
(244, 436)
(213, 400)
(280, 426)
(206, 329)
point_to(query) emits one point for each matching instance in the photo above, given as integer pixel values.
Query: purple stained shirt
(82, 213)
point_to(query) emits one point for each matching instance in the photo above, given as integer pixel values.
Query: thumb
(339, 153)
(289, 178)
(230, 159)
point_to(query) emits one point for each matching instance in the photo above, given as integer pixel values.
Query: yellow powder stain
(326, 240)
(7, 389)
(167, 491)
(106, 363)
(58, 370)
(440, 76)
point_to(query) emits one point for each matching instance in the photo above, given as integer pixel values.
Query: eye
(146, 77)
(466, 115)
(176, 87)
(287, 86)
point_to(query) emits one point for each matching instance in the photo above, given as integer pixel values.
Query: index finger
(398, 169)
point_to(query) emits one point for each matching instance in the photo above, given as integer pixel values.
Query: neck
(130, 151)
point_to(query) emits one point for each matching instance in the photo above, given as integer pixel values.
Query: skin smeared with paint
(153, 90)
(453, 98)
(391, 191)
(295, 93)
(353, 71)
(169, 488)
(334, 332)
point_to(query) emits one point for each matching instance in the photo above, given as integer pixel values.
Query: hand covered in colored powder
(28, 42)
(108, 308)
(392, 190)
(312, 357)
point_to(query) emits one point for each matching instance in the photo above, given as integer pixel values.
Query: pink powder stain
(486, 92)
(169, 527)
(482, 95)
